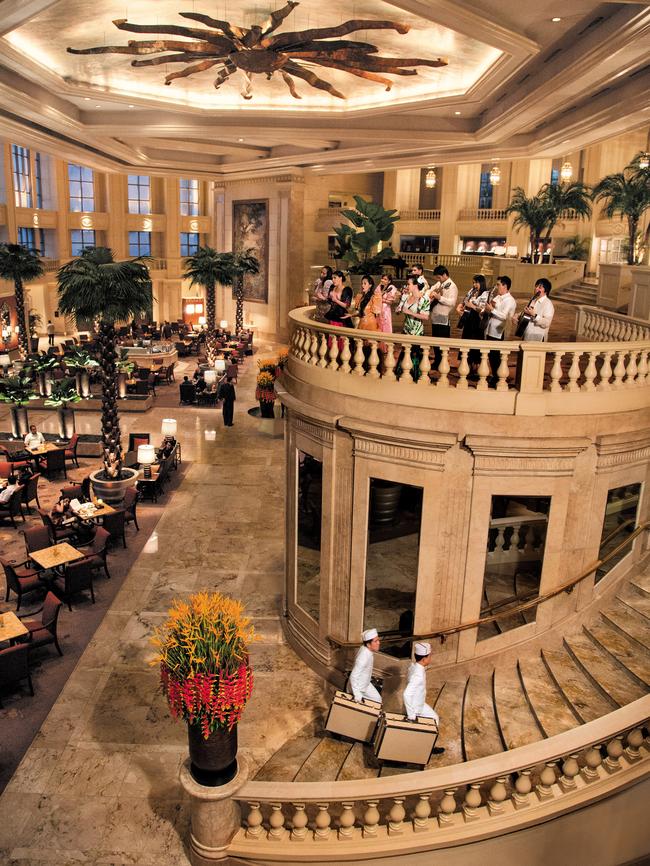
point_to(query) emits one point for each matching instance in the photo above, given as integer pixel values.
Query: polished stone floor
(100, 783)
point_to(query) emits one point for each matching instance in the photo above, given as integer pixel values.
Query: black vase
(267, 409)
(213, 761)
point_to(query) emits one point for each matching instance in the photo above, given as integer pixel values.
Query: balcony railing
(533, 378)
(602, 326)
(482, 214)
(419, 214)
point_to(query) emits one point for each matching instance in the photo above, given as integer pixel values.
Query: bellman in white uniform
(415, 693)
(359, 682)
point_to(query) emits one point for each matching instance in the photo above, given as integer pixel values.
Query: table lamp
(210, 377)
(202, 321)
(220, 365)
(168, 428)
(146, 456)
(5, 361)
(223, 324)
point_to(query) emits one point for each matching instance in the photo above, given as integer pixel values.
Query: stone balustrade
(602, 326)
(550, 378)
(483, 214)
(419, 214)
(416, 811)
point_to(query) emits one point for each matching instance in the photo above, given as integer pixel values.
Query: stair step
(642, 582)
(516, 722)
(633, 624)
(283, 765)
(628, 653)
(585, 698)
(359, 764)
(598, 664)
(636, 599)
(449, 707)
(325, 761)
(546, 701)
(480, 730)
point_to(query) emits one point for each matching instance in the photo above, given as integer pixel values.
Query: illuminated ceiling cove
(78, 25)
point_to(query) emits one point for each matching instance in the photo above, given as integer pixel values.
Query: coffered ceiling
(516, 83)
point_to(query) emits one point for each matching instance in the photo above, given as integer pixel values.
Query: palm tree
(206, 268)
(562, 200)
(243, 263)
(20, 265)
(626, 194)
(531, 213)
(95, 286)
(576, 248)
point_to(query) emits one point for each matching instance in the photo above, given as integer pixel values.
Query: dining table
(56, 556)
(11, 627)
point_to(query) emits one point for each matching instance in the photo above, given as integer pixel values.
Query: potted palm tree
(359, 246)
(17, 391)
(206, 268)
(530, 213)
(35, 321)
(562, 200)
(124, 370)
(81, 361)
(243, 263)
(205, 674)
(63, 393)
(20, 265)
(95, 286)
(43, 368)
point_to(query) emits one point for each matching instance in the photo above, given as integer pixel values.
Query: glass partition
(619, 522)
(514, 559)
(309, 507)
(395, 512)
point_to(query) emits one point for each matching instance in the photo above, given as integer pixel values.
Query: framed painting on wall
(250, 231)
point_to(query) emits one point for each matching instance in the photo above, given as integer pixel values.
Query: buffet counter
(152, 356)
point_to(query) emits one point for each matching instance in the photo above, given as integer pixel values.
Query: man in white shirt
(5, 495)
(542, 312)
(415, 693)
(443, 297)
(361, 674)
(34, 439)
(417, 271)
(502, 308)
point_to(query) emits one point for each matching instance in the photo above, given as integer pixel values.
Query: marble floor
(99, 784)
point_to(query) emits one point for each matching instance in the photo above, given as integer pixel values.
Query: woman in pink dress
(389, 294)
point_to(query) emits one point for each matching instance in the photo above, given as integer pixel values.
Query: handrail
(443, 634)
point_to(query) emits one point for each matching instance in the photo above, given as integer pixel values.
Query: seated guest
(187, 391)
(33, 439)
(61, 510)
(200, 385)
(6, 494)
(25, 473)
(168, 445)
(198, 373)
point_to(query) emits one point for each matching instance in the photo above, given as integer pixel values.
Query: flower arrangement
(265, 390)
(267, 365)
(283, 357)
(203, 658)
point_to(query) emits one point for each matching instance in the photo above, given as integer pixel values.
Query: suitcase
(350, 719)
(398, 739)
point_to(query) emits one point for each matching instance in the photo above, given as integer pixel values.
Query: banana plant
(17, 391)
(63, 393)
(373, 224)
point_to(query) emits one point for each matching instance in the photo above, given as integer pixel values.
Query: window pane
(514, 560)
(620, 521)
(308, 533)
(392, 558)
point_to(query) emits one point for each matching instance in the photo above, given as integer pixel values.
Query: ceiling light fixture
(430, 178)
(566, 172)
(131, 106)
(555, 20)
(98, 106)
(644, 160)
(456, 112)
(495, 175)
(240, 140)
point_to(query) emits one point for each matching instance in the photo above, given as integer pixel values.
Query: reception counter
(152, 356)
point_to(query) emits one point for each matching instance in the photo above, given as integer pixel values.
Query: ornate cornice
(316, 432)
(279, 178)
(409, 447)
(626, 449)
(524, 456)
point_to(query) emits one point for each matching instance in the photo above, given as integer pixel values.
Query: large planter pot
(121, 384)
(111, 490)
(384, 502)
(213, 761)
(614, 281)
(66, 423)
(33, 345)
(83, 383)
(19, 422)
(44, 381)
(267, 409)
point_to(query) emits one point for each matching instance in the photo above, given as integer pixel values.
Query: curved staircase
(583, 292)
(603, 666)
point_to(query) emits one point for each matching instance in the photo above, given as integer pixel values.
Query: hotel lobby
(496, 510)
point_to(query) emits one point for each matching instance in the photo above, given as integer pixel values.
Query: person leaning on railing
(340, 299)
(415, 306)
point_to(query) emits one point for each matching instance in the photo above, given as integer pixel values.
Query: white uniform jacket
(440, 310)
(359, 681)
(415, 694)
(504, 309)
(538, 329)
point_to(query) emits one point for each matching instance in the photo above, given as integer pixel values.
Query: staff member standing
(542, 311)
(443, 297)
(361, 674)
(501, 308)
(50, 332)
(227, 393)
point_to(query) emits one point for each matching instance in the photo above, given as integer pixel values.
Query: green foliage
(63, 391)
(562, 200)
(626, 194)
(17, 390)
(78, 358)
(18, 263)
(35, 321)
(577, 248)
(95, 286)
(207, 267)
(42, 362)
(372, 224)
(529, 212)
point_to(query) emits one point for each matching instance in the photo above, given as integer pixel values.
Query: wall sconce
(147, 225)
(194, 225)
(189, 309)
(35, 219)
(566, 172)
(223, 324)
(495, 175)
(202, 320)
(430, 178)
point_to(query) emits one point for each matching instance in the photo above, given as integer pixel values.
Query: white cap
(370, 634)
(422, 649)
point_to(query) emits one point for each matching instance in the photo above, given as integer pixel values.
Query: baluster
(515, 538)
(389, 362)
(346, 822)
(313, 349)
(612, 762)
(373, 361)
(276, 823)
(574, 372)
(631, 370)
(463, 369)
(333, 354)
(605, 372)
(345, 356)
(556, 371)
(502, 372)
(544, 789)
(358, 357)
(322, 350)
(254, 820)
(593, 760)
(444, 368)
(497, 797)
(396, 817)
(422, 813)
(371, 819)
(570, 770)
(483, 371)
(303, 342)
(500, 540)
(299, 823)
(472, 802)
(590, 373)
(619, 370)
(447, 808)
(634, 742)
(323, 821)
(296, 342)
(407, 366)
(642, 373)
(523, 787)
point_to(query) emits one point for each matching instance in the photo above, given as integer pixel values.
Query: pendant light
(566, 172)
(644, 161)
(430, 178)
(495, 175)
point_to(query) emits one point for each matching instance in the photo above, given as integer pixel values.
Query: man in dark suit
(227, 394)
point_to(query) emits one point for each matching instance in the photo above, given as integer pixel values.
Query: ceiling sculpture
(256, 51)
